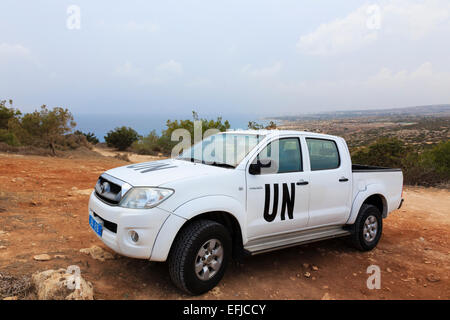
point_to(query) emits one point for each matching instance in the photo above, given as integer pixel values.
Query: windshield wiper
(217, 164)
(223, 165)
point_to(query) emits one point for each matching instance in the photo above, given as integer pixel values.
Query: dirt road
(43, 209)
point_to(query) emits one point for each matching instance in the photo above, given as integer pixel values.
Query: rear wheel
(199, 256)
(367, 228)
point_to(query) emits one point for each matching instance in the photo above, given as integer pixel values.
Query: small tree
(7, 114)
(165, 140)
(121, 138)
(90, 137)
(44, 128)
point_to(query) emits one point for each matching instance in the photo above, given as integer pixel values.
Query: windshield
(223, 149)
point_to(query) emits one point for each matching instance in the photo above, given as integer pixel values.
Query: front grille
(108, 191)
(111, 226)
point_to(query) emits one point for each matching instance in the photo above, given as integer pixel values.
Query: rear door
(277, 198)
(330, 180)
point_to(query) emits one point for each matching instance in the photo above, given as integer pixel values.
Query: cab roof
(265, 132)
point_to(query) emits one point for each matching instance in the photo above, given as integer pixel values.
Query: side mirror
(255, 168)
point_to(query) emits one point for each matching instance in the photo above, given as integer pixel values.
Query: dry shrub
(123, 157)
(11, 286)
(25, 150)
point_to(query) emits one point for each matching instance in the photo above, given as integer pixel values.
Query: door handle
(302, 183)
(343, 179)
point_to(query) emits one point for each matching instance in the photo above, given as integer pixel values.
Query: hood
(157, 173)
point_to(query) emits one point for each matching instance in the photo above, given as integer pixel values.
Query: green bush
(121, 138)
(421, 166)
(149, 145)
(8, 138)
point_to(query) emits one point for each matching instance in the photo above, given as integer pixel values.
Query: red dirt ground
(43, 209)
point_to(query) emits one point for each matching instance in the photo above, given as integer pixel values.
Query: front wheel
(199, 256)
(367, 228)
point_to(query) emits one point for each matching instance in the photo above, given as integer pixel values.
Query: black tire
(182, 257)
(357, 237)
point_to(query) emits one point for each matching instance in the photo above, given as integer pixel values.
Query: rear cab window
(323, 154)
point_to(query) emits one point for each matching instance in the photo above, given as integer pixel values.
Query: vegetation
(90, 137)
(257, 126)
(121, 138)
(153, 144)
(42, 129)
(421, 165)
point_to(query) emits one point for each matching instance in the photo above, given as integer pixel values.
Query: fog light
(134, 236)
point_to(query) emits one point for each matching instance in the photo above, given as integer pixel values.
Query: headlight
(145, 198)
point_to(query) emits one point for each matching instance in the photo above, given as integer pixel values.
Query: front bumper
(146, 222)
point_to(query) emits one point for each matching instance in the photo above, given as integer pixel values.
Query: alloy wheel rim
(370, 228)
(209, 259)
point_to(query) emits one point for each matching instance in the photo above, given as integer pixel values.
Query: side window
(284, 156)
(323, 154)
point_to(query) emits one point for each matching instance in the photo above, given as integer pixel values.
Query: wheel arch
(373, 195)
(222, 209)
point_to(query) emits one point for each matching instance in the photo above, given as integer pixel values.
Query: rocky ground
(44, 225)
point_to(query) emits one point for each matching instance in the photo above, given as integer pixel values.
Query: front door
(277, 197)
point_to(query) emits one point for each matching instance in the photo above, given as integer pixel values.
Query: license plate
(97, 227)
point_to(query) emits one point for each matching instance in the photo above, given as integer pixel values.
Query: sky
(264, 58)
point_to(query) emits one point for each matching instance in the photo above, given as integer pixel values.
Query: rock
(74, 188)
(59, 256)
(433, 278)
(33, 203)
(42, 257)
(2, 247)
(307, 274)
(325, 287)
(421, 239)
(11, 298)
(98, 253)
(315, 268)
(2, 232)
(327, 296)
(85, 192)
(306, 265)
(56, 285)
(388, 270)
(216, 291)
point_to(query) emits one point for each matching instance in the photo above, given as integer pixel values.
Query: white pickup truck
(238, 193)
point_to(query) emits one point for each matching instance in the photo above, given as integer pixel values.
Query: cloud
(127, 70)
(170, 67)
(131, 26)
(367, 24)
(18, 57)
(134, 26)
(161, 74)
(13, 50)
(264, 72)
